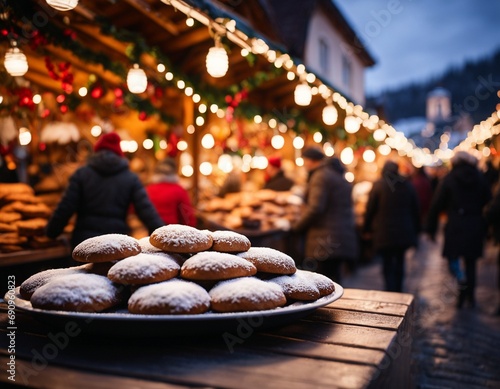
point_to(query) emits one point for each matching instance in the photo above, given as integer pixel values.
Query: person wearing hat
(275, 176)
(461, 195)
(100, 194)
(170, 199)
(327, 220)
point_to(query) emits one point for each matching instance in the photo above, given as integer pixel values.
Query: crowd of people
(399, 210)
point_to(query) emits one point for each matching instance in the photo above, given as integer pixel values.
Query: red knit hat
(109, 142)
(274, 161)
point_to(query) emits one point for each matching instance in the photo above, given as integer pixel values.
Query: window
(323, 56)
(346, 71)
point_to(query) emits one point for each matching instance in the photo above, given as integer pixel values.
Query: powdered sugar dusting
(231, 239)
(105, 245)
(322, 282)
(143, 266)
(178, 295)
(266, 256)
(213, 261)
(76, 289)
(241, 289)
(147, 247)
(178, 236)
(294, 283)
(39, 279)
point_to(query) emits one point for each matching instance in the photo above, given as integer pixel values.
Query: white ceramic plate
(120, 322)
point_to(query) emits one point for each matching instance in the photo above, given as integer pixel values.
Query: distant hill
(473, 88)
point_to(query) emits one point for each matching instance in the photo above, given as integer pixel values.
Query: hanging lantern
(217, 61)
(303, 94)
(63, 5)
(330, 115)
(137, 82)
(15, 62)
(351, 124)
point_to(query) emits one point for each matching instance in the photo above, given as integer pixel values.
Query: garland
(50, 33)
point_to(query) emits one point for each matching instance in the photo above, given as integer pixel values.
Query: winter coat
(492, 215)
(172, 202)
(100, 195)
(392, 213)
(279, 182)
(461, 194)
(328, 216)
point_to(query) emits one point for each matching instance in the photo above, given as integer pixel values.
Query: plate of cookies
(177, 280)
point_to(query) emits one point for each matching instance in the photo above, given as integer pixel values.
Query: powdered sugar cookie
(212, 265)
(37, 280)
(77, 292)
(322, 282)
(179, 238)
(246, 294)
(147, 247)
(268, 260)
(297, 287)
(144, 269)
(106, 248)
(230, 242)
(170, 297)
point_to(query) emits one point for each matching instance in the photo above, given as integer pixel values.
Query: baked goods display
(23, 217)
(263, 210)
(119, 275)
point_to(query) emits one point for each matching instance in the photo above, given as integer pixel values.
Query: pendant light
(63, 5)
(137, 82)
(217, 61)
(330, 114)
(302, 94)
(15, 62)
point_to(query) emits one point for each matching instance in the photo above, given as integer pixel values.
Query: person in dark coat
(276, 179)
(461, 195)
(492, 215)
(392, 220)
(100, 194)
(423, 186)
(328, 217)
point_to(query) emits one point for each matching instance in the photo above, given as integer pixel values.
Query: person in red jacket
(170, 199)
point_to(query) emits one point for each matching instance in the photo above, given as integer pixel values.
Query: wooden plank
(64, 378)
(370, 306)
(378, 295)
(305, 348)
(29, 256)
(350, 335)
(365, 319)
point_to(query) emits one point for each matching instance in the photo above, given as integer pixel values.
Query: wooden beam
(144, 8)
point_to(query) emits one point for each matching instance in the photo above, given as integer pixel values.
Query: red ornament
(45, 113)
(97, 92)
(143, 116)
(63, 108)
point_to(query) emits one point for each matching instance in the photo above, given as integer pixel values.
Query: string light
(137, 82)
(217, 61)
(63, 5)
(15, 62)
(302, 94)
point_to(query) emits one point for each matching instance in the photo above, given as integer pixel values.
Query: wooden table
(362, 340)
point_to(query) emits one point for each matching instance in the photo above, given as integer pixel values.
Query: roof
(292, 18)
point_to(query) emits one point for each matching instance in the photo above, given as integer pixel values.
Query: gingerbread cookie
(179, 238)
(246, 294)
(144, 269)
(230, 242)
(175, 296)
(77, 292)
(37, 280)
(324, 284)
(268, 260)
(212, 265)
(106, 248)
(297, 287)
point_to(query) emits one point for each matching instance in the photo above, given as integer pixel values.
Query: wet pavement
(452, 348)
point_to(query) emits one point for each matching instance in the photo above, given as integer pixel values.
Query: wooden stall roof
(109, 27)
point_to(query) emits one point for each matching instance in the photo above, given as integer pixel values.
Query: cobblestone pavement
(452, 348)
